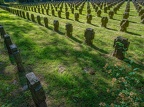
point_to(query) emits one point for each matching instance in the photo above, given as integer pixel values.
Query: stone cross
(141, 12)
(111, 14)
(99, 13)
(53, 12)
(56, 25)
(105, 9)
(80, 10)
(76, 16)
(104, 21)
(89, 36)
(27, 15)
(47, 11)
(33, 18)
(126, 15)
(121, 45)
(59, 14)
(46, 22)
(67, 15)
(89, 18)
(89, 11)
(39, 20)
(124, 24)
(69, 29)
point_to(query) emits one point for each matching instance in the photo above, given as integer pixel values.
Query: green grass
(64, 64)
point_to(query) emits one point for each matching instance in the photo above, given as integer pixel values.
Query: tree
(1, 1)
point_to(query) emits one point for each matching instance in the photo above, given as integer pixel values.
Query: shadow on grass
(21, 78)
(98, 49)
(132, 33)
(134, 64)
(133, 22)
(70, 19)
(3, 65)
(75, 39)
(79, 21)
(132, 15)
(118, 14)
(61, 33)
(50, 28)
(94, 25)
(61, 17)
(80, 90)
(116, 19)
(111, 29)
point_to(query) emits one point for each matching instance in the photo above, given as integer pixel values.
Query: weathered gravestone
(89, 36)
(59, 14)
(89, 11)
(141, 12)
(16, 54)
(53, 12)
(89, 18)
(17, 13)
(72, 10)
(20, 13)
(101, 6)
(105, 9)
(8, 42)
(42, 11)
(80, 10)
(111, 14)
(36, 90)
(56, 8)
(32, 9)
(27, 15)
(33, 18)
(121, 46)
(66, 9)
(115, 10)
(47, 11)
(126, 15)
(99, 13)
(142, 21)
(2, 31)
(127, 10)
(39, 20)
(35, 9)
(76, 7)
(142, 16)
(76, 16)
(69, 29)
(96, 9)
(124, 24)
(46, 22)
(56, 25)
(138, 8)
(104, 21)
(67, 15)
(61, 8)
(23, 15)
(38, 10)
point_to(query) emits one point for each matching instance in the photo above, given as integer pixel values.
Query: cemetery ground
(72, 73)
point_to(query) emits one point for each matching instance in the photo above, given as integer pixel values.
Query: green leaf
(132, 73)
(135, 69)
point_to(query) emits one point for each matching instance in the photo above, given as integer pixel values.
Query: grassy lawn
(72, 73)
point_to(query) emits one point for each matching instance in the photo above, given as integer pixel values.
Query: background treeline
(27, 1)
